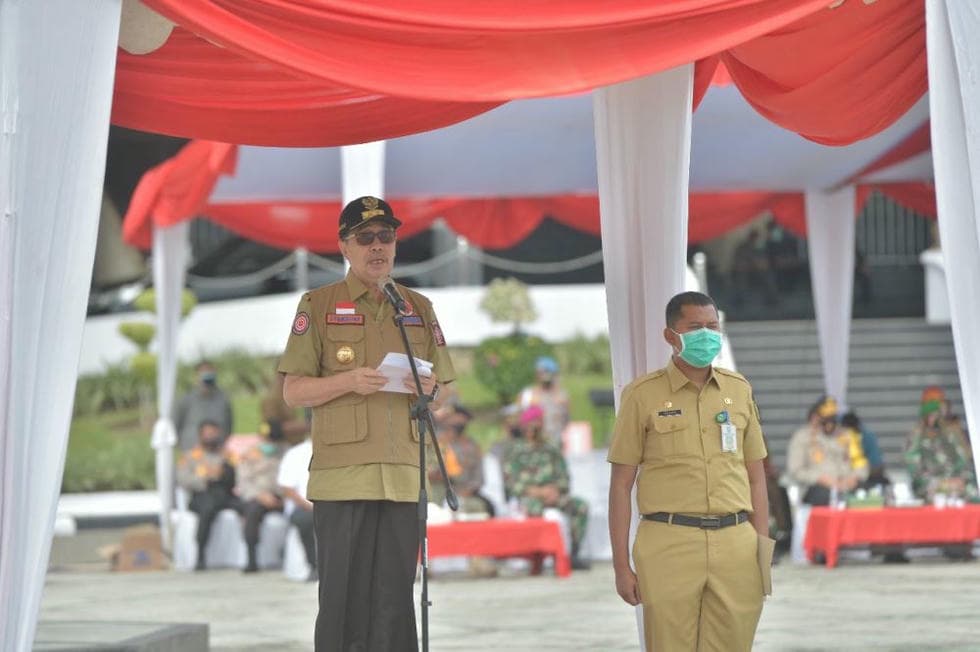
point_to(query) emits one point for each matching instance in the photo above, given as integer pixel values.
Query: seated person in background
(936, 454)
(823, 459)
(547, 393)
(294, 475)
(536, 474)
(870, 449)
(205, 472)
(780, 513)
(257, 488)
(463, 459)
(510, 433)
(279, 421)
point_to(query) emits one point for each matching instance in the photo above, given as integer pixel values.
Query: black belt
(703, 522)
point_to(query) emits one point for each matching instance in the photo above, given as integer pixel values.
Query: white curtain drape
(643, 152)
(362, 170)
(57, 61)
(953, 49)
(830, 234)
(170, 253)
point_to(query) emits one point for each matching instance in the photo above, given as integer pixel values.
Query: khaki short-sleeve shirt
(672, 431)
(364, 447)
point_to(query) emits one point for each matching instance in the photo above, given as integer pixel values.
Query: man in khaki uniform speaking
(693, 433)
(364, 474)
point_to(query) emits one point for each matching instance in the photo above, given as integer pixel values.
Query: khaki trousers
(701, 589)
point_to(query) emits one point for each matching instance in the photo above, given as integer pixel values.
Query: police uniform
(364, 476)
(701, 587)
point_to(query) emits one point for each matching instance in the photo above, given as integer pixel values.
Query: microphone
(388, 288)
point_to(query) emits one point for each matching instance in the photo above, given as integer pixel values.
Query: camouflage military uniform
(935, 456)
(536, 465)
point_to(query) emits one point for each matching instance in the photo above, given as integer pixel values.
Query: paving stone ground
(925, 605)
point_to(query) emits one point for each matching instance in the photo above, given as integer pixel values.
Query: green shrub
(505, 365)
(581, 356)
(147, 300)
(139, 333)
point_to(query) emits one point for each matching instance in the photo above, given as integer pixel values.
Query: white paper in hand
(396, 369)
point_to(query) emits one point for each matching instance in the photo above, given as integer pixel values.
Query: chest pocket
(672, 437)
(418, 336)
(344, 347)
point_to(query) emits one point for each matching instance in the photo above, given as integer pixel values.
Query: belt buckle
(710, 522)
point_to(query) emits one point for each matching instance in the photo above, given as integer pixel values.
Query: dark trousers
(254, 512)
(206, 504)
(303, 521)
(367, 551)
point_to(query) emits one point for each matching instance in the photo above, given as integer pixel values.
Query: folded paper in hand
(396, 369)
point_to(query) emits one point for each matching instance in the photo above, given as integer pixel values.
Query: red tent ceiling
(329, 72)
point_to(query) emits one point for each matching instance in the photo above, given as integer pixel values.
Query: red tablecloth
(501, 537)
(830, 529)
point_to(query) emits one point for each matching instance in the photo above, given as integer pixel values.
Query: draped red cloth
(836, 76)
(918, 197)
(191, 88)
(480, 50)
(917, 142)
(176, 189)
(328, 72)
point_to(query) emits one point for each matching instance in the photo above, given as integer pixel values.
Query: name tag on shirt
(669, 413)
(357, 320)
(729, 438)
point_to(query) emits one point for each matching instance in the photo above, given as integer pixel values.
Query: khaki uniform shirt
(364, 447)
(812, 454)
(668, 427)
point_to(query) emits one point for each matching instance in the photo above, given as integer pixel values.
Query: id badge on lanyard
(729, 434)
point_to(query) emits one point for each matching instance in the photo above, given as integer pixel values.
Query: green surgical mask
(699, 348)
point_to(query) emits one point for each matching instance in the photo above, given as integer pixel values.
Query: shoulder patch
(301, 323)
(437, 334)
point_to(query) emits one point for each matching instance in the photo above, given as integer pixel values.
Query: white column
(954, 104)
(830, 236)
(57, 61)
(643, 152)
(362, 169)
(362, 172)
(170, 253)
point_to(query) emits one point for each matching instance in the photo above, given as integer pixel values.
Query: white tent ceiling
(547, 146)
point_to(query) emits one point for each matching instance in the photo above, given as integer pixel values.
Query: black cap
(363, 210)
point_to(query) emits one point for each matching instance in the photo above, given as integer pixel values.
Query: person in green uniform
(364, 475)
(537, 475)
(691, 432)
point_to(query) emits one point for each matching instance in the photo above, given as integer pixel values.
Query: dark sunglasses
(366, 238)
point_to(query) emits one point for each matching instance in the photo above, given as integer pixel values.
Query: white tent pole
(954, 100)
(643, 149)
(362, 171)
(170, 250)
(57, 62)
(830, 236)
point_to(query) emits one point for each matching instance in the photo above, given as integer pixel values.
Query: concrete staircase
(891, 361)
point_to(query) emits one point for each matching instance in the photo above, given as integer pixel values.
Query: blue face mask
(699, 348)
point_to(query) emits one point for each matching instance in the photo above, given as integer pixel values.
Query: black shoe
(251, 568)
(200, 565)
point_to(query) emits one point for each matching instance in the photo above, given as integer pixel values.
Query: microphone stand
(423, 417)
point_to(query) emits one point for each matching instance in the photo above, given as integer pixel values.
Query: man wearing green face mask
(702, 551)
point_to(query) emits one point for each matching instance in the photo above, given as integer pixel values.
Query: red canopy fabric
(853, 70)
(176, 189)
(480, 50)
(918, 197)
(288, 74)
(190, 88)
(918, 142)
